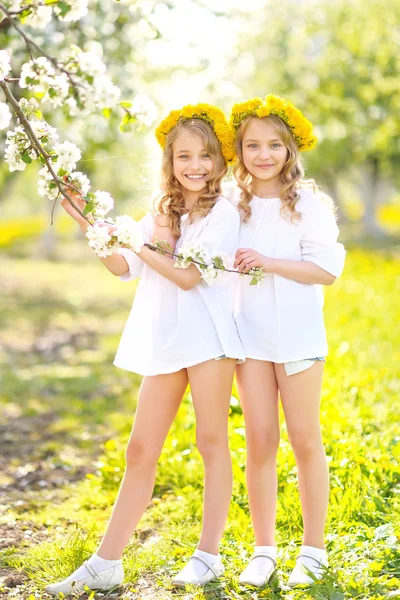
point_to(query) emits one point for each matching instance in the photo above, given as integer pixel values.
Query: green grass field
(67, 413)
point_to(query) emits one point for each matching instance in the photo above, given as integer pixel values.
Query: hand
(78, 200)
(162, 232)
(247, 258)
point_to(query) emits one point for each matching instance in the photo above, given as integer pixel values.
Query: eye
(252, 145)
(183, 156)
(206, 156)
(276, 145)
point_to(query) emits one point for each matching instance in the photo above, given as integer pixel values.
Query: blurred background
(338, 62)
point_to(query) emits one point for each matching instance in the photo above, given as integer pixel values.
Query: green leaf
(64, 7)
(254, 281)
(61, 172)
(125, 104)
(54, 158)
(38, 114)
(107, 112)
(26, 158)
(88, 208)
(52, 92)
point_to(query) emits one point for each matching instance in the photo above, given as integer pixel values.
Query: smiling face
(264, 153)
(192, 164)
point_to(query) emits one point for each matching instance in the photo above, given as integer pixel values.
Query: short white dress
(169, 329)
(281, 320)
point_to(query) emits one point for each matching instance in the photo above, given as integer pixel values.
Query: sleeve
(135, 264)
(221, 237)
(319, 241)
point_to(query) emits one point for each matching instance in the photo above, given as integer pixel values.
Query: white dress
(281, 320)
(169, 329)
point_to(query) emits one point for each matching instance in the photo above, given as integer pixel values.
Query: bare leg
(301, 395)
(211, 386)
(258, 392)
(159, 400)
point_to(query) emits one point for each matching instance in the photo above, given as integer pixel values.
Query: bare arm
(115, 263)
(162, 232)
(186, 279)
(299, 270)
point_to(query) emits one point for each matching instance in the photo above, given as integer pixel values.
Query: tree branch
(40, 151)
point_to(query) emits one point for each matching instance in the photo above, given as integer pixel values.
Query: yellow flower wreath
(285, 110)
(212, 115)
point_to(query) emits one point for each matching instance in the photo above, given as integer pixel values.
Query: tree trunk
(370, 187)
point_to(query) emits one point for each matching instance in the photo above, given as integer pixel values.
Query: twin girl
(182, 330)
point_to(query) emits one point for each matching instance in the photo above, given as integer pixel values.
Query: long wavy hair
(171, 202)
(292, 174)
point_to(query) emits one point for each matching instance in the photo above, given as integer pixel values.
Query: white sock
(261, 565)
(197, 568)
(99, 564)
(318, 553)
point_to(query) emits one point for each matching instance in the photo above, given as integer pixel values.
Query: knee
(305, 445)
(262, 446)
(211, 445)
(141, 452)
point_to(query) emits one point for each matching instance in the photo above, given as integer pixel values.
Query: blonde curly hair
(171, 202)
(292, 174)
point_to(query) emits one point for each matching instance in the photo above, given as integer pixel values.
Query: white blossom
(80, 181)
(103, 203)
(144, 109)
(67, 155)
(99, 239)
(58, 89)
(5, 66)
(128, 232)
(5, 115)
(46, 184)
(12, 156)
(28, 107)
(89, 63)
(44, 130)
(35, 73)
(40, 15)
(106, 95)
(78, 9)
(209, 274)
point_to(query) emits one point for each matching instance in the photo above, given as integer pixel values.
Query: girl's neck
(266, 189)
(190, 199)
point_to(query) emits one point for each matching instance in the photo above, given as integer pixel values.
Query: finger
(249, 266)
(241, 266)
(244, 258)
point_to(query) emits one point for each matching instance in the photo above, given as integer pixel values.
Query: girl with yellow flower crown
(180, 331)
(289, 230)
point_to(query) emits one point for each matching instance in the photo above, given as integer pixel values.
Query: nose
(195, 164)
(264, 153)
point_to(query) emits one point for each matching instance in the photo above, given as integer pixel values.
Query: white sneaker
(187, 576)
(256, 577)
(104, 580)
(310, 565)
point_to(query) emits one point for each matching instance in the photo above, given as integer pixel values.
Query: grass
(68, 413)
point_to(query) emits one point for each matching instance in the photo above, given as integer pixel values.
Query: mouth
(265, 166)
(196, 177)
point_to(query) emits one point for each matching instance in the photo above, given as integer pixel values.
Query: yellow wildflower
(212, 115)
(285, 110)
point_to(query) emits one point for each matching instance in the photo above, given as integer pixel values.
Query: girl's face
(264, 153)
(192, 164)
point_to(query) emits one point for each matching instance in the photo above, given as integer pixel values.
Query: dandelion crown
(212, 115)
(285, 110)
